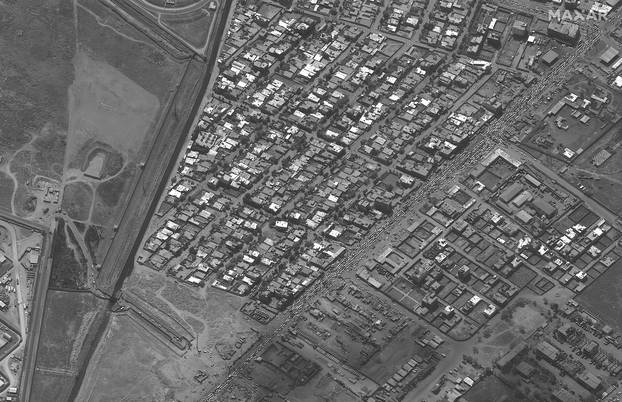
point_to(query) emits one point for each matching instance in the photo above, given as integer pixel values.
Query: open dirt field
(131, 364)
(526, 317)
(110, 196)
(108, 38)
(68, 263)
(192, 26)
(122, 81)
(211, 316)
(48, 152)
(491, 389)
(37, 43)
(7, 186)
(56, 387)
(42, 157)
(322, 388)
(245, 389)
(603, 298)
(77, 200)
(93, 240)
(66, 315)
(68, 323)
(107, 106)
(36, 48)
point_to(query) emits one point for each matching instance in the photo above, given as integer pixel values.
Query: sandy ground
(152, 371)
(107, 106)
(145, 361)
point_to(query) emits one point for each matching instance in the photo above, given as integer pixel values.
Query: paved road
(25, 223)
(37, 309)
(174, 10)
(18, 281)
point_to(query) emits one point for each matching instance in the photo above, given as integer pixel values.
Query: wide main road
(37, 305)
(160, 162)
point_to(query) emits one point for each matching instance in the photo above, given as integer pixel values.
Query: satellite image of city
(310, 200)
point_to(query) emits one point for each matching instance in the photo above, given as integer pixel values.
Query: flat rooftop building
(546, 350)
(609, 55)
(589, 381)
(510, 192)
(519, 29)
(550, 57)
(564, 31)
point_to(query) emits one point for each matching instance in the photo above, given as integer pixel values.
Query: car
(457, 291)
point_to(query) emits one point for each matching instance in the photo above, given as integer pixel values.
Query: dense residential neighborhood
(311, 200)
